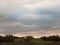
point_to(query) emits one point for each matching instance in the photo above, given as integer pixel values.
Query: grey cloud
(50, 17)
(18, 20)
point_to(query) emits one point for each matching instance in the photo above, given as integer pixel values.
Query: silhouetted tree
(8, 38)
(44, 38)
(29, 38)
(1, 39)
(51, 38)
(54, 38)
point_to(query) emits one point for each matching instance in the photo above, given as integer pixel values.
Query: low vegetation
(29, 40)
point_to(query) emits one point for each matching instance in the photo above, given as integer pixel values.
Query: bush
(51, 38)
(29, 38)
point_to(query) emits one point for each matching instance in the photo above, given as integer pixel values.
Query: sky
(30, 17)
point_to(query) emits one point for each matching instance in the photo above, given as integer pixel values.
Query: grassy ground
(29, 43)
(40, 41)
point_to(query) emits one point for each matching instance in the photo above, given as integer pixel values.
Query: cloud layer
(28, 16)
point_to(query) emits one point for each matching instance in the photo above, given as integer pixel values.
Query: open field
(29, 43)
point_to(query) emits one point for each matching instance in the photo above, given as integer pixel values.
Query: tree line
(54, 38)
(11, 38)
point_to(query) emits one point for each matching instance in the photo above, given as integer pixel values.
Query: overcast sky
(30, 17)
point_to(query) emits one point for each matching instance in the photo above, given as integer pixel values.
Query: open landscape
(29, 40)
(29, 22)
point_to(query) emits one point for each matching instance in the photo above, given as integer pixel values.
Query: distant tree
(1, 39)
(44, 38)
(9, 38)
(54, 38)
(51, 38)
(29, 38)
